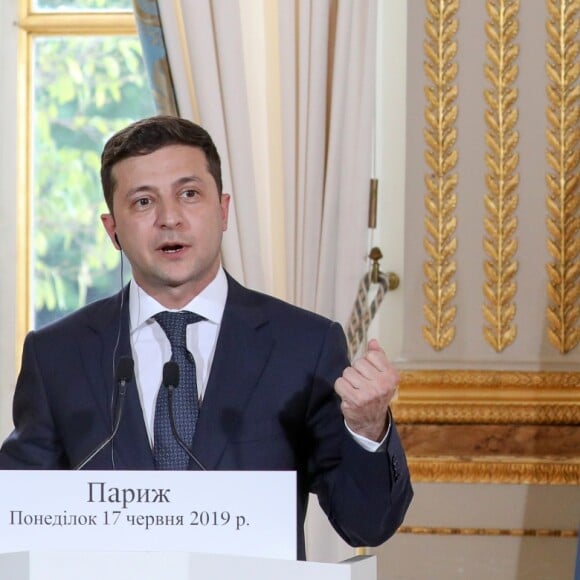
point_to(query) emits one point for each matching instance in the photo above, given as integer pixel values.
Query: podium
(136, 525)
(39, 565)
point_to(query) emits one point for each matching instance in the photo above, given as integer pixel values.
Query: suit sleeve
(365, 495)
(34, 443)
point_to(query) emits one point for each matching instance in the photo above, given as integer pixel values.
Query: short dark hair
(149, 135)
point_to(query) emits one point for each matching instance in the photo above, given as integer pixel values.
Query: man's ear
(108, 222)
(225, 206)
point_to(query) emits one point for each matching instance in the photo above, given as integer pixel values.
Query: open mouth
(171, 248)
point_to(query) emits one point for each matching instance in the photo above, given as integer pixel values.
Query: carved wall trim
(503, 380)
(449, 396)
(495, 470)
(490, 397)
(518, 533)
(501, 413)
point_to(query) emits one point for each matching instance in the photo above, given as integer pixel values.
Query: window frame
(32, 25)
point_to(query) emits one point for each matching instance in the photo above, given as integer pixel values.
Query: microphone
(171, 381)
(123, 376)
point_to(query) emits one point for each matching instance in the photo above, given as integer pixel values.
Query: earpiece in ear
(118, 243)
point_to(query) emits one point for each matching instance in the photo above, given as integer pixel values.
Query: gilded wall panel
(493, 101)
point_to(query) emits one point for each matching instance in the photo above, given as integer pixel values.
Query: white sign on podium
(242, 513)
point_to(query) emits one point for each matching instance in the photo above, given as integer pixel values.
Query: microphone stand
(125, 374)
(171, 370)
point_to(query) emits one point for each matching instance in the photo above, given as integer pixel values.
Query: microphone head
(170, 374)
(124, 370)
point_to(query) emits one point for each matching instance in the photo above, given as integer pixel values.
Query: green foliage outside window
(85, 89)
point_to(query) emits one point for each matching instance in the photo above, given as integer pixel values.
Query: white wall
(390, 169)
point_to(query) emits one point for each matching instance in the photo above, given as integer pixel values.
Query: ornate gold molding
(494, 397)
(502, 180)
(517, 533)
(489, 413)
(488, 398)
(441, 156)
(563, 179)
(466, 379)
(495, 470)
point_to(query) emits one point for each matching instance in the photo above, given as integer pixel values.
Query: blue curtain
(155, 55)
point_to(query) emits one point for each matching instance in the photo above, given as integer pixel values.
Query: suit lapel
(131, 445)
(242, 350)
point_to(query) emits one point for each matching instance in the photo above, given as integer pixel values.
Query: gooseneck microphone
(123, 376)
(171, 382)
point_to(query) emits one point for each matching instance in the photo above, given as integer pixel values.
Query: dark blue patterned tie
(167, 451)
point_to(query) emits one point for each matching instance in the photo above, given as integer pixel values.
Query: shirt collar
(209, 303)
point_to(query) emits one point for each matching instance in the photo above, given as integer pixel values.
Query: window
(85, 80)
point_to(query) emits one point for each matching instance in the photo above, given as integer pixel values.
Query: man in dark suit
(265, 374)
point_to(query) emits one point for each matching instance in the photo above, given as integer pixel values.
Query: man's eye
(142, 202)
(189, 193)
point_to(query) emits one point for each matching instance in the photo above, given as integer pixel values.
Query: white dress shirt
(151, 348)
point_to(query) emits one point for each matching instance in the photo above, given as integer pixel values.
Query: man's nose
(169, 213)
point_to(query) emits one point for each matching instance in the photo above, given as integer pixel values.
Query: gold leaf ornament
(562, 178)
(440, 135)
(502, 180)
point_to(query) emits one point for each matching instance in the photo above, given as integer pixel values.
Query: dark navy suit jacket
(269, 405)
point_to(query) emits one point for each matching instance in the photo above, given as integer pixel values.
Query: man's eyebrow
(188, 179)
(181, 181)
(140, 189)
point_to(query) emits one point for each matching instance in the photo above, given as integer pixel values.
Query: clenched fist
(366, 389)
